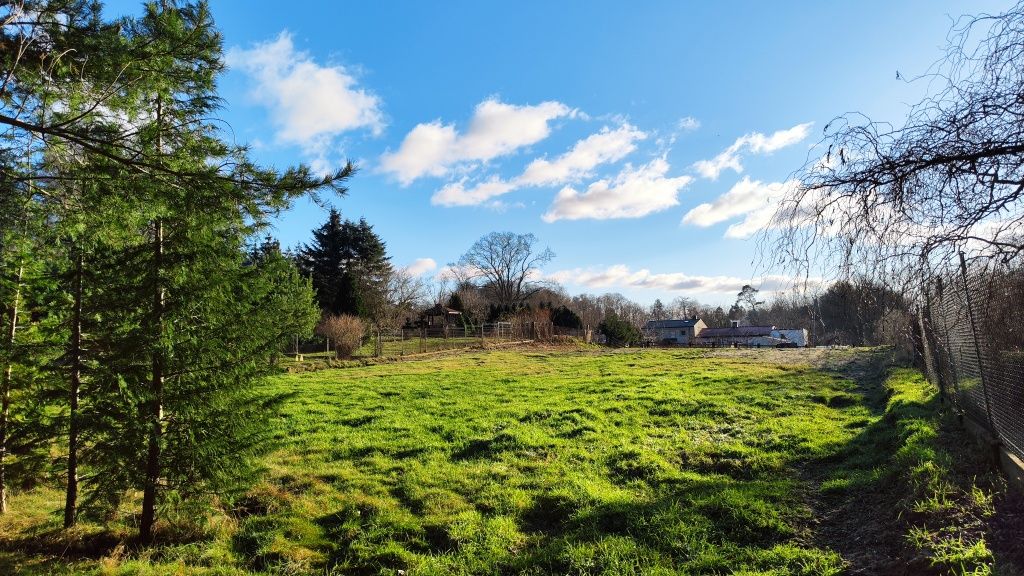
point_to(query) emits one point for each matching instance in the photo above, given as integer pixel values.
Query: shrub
(620, 332)
(566, 318)
(345, 331)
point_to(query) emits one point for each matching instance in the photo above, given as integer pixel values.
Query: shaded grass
(542, 461)
(933, 490)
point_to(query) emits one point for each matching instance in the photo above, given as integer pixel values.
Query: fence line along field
(581, 461)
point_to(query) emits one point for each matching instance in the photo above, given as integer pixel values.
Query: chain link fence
(972, 327)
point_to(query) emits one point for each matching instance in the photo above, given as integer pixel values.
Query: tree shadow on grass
(711, 524)
(49, 550)
(913, 469)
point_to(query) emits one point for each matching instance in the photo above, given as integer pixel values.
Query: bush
(620, 332)
(345, 331)
(566, 318)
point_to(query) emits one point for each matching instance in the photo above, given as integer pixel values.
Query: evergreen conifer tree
(136, 320)
(348, 265)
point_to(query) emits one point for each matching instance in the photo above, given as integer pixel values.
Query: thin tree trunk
(156, 386)
(75, 384)
(156, 411)
(5, 388)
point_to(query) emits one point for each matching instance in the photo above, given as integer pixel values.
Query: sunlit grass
(545, 462)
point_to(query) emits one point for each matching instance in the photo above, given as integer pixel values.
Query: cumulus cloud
(755, 143)
(310, 104)
(756, 201)
(603, 147)
(421, 266)
(496, 129)
(457, 194)
(633, 193)
(608, 145)
(621, 276)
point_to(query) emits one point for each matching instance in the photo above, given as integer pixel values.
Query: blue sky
(642, 142)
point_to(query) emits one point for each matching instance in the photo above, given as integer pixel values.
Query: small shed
(438, 315)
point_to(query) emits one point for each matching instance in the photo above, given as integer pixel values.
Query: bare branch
(883, 202)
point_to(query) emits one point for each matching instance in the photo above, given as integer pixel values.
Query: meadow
(582, 461)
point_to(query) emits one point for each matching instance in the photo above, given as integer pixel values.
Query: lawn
(581, 461)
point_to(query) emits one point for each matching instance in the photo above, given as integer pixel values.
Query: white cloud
(456, 193)
(421, 266)
(633, 193)
(761, 144)
(309, 104)
(727, 159)
(756, 143)
(622, 277)
(756, 201)
(496, 129)
(688, 124)
(602, 147)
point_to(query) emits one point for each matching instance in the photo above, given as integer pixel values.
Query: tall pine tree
(134, 316)
(348, 265)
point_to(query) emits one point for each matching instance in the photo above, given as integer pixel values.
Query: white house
(673, 331)
(761, 336)
(695, 331)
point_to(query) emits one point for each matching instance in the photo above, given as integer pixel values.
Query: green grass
(928, 468)
(546, 462)
(557, 462)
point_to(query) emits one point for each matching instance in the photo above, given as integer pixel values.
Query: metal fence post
(931, 361)
(950, 362)
(977, 346)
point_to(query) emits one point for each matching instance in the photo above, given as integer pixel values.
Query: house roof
(740, 332)
(655, 324)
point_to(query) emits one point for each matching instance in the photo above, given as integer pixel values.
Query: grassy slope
(552, 462)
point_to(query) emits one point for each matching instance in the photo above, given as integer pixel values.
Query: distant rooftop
(655, 324)
(438, 310)
(740, 331)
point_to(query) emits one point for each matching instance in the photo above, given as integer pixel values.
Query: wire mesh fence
(424, 339)
(973, 327)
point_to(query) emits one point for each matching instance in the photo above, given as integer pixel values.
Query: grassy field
(587, 461)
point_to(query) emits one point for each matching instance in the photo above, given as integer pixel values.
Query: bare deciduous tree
(682, 307)
(474, 304)
(588, 308)
(399, 294)
(504, 263)
(885, 201)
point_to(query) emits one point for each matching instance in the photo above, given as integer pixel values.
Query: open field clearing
(584, 461)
